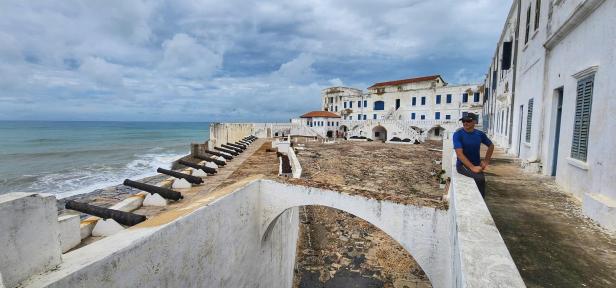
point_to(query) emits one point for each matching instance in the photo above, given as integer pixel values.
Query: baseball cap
(469, 116)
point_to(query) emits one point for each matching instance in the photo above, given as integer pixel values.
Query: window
(327, 123)
(447, 117)
(373, 116)
(345, 104)
(448, 98)
(414, 101)
(438, 99)
(437, 115)
(358, 116)
(476, 97)
(527, 25)
(336, 108)
(365, 103)
(423, 117)
(350, 104)
(397, 104)
(464, 97)
(537, 13)
(380, 90)
(581, 124)
(358, 104)
(350, 117)
(423, 100)
(529, 119)
(412, 116)
(506, 60)
(379, 105)
(365, 116)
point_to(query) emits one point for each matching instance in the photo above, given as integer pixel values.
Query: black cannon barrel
(241, 147)
(207, 170)
(189, 178)
(216, 161)
(227, 151)
(247, 139)
(242, 142)
(124, 218)
(228, 157)
(238, 150)
(164, 192)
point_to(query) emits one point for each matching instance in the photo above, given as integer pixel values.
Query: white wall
(28, 236)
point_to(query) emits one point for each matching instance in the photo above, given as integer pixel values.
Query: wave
(85, 179)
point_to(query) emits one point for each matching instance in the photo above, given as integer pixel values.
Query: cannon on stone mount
(124, 218)
(163, 192)
(207, 170)
(189, 178)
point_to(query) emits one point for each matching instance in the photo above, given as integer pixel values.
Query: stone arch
(379, 133)
(421, 231)
(436, 133)
(343, 128)
(330, 133)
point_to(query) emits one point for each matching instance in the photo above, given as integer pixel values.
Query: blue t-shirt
(470, 142)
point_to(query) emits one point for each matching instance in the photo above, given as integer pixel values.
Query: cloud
(184, 57)
(227, 60)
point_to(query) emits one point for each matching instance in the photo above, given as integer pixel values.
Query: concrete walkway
(551, 242)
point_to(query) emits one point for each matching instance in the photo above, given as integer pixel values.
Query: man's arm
(486, 160)
(466, 162)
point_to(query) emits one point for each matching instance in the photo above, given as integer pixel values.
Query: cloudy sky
(231, 60)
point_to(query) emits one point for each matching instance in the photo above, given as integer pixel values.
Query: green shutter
(581, 124)
(529, 119)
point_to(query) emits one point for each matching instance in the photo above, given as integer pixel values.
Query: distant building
(550, 96)
(323, 122)
(422, 98)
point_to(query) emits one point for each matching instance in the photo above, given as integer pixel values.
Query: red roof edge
(406, 81)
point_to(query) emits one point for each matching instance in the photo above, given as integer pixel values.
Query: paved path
(551, 242)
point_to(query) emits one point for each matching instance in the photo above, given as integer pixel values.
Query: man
(467, 142)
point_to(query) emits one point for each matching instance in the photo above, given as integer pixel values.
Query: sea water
(69, 158)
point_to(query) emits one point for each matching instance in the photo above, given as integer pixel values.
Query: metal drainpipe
(513, 84)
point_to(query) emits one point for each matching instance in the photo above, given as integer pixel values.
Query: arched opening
(330, 134)
(436, 133)
(343, 128)
(338, 249)
(379, 133)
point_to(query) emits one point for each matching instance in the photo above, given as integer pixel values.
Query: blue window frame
(358, 104)
(414, 101)
(423, 100)
(350, 104)
(379, 105)
(336, 108)
(345, 104)
(423, 117)
(437, 115)
(365, 103)
(365, 116)
(448, 98)
(412, 116)
(373, 116)
(358, 116)
(476, 97)
(438, 99)
(447, 117)
(464, 97)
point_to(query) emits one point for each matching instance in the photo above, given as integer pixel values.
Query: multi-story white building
(561, 95)
(427, 98)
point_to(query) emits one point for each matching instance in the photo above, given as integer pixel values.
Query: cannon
(189, 178)
(238, 150)
(163, 192)
(124, 218)
(227, 151)
(241, 147)
(228, 157)
(209, 159)
(244, 145)
(207, 170)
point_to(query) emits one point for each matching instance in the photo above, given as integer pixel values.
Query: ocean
(70, 158)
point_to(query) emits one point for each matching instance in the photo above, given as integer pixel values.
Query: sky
(231, 60)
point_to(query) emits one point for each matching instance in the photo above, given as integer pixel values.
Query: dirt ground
(551, 242)
(407, 174)
(337, 249)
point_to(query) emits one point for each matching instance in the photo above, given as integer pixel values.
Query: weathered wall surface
(218, 245)
(28, 235)
(223, 133)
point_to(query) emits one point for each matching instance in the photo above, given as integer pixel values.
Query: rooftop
(322, 114)
(407, 81)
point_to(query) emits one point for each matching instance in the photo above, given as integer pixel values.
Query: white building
(422, 102)
(562, 96)
(324, 123)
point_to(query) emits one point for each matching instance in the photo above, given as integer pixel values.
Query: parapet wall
(223, 133)
(217, 245)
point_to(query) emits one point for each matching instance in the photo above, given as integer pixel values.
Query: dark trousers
(480, 178)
